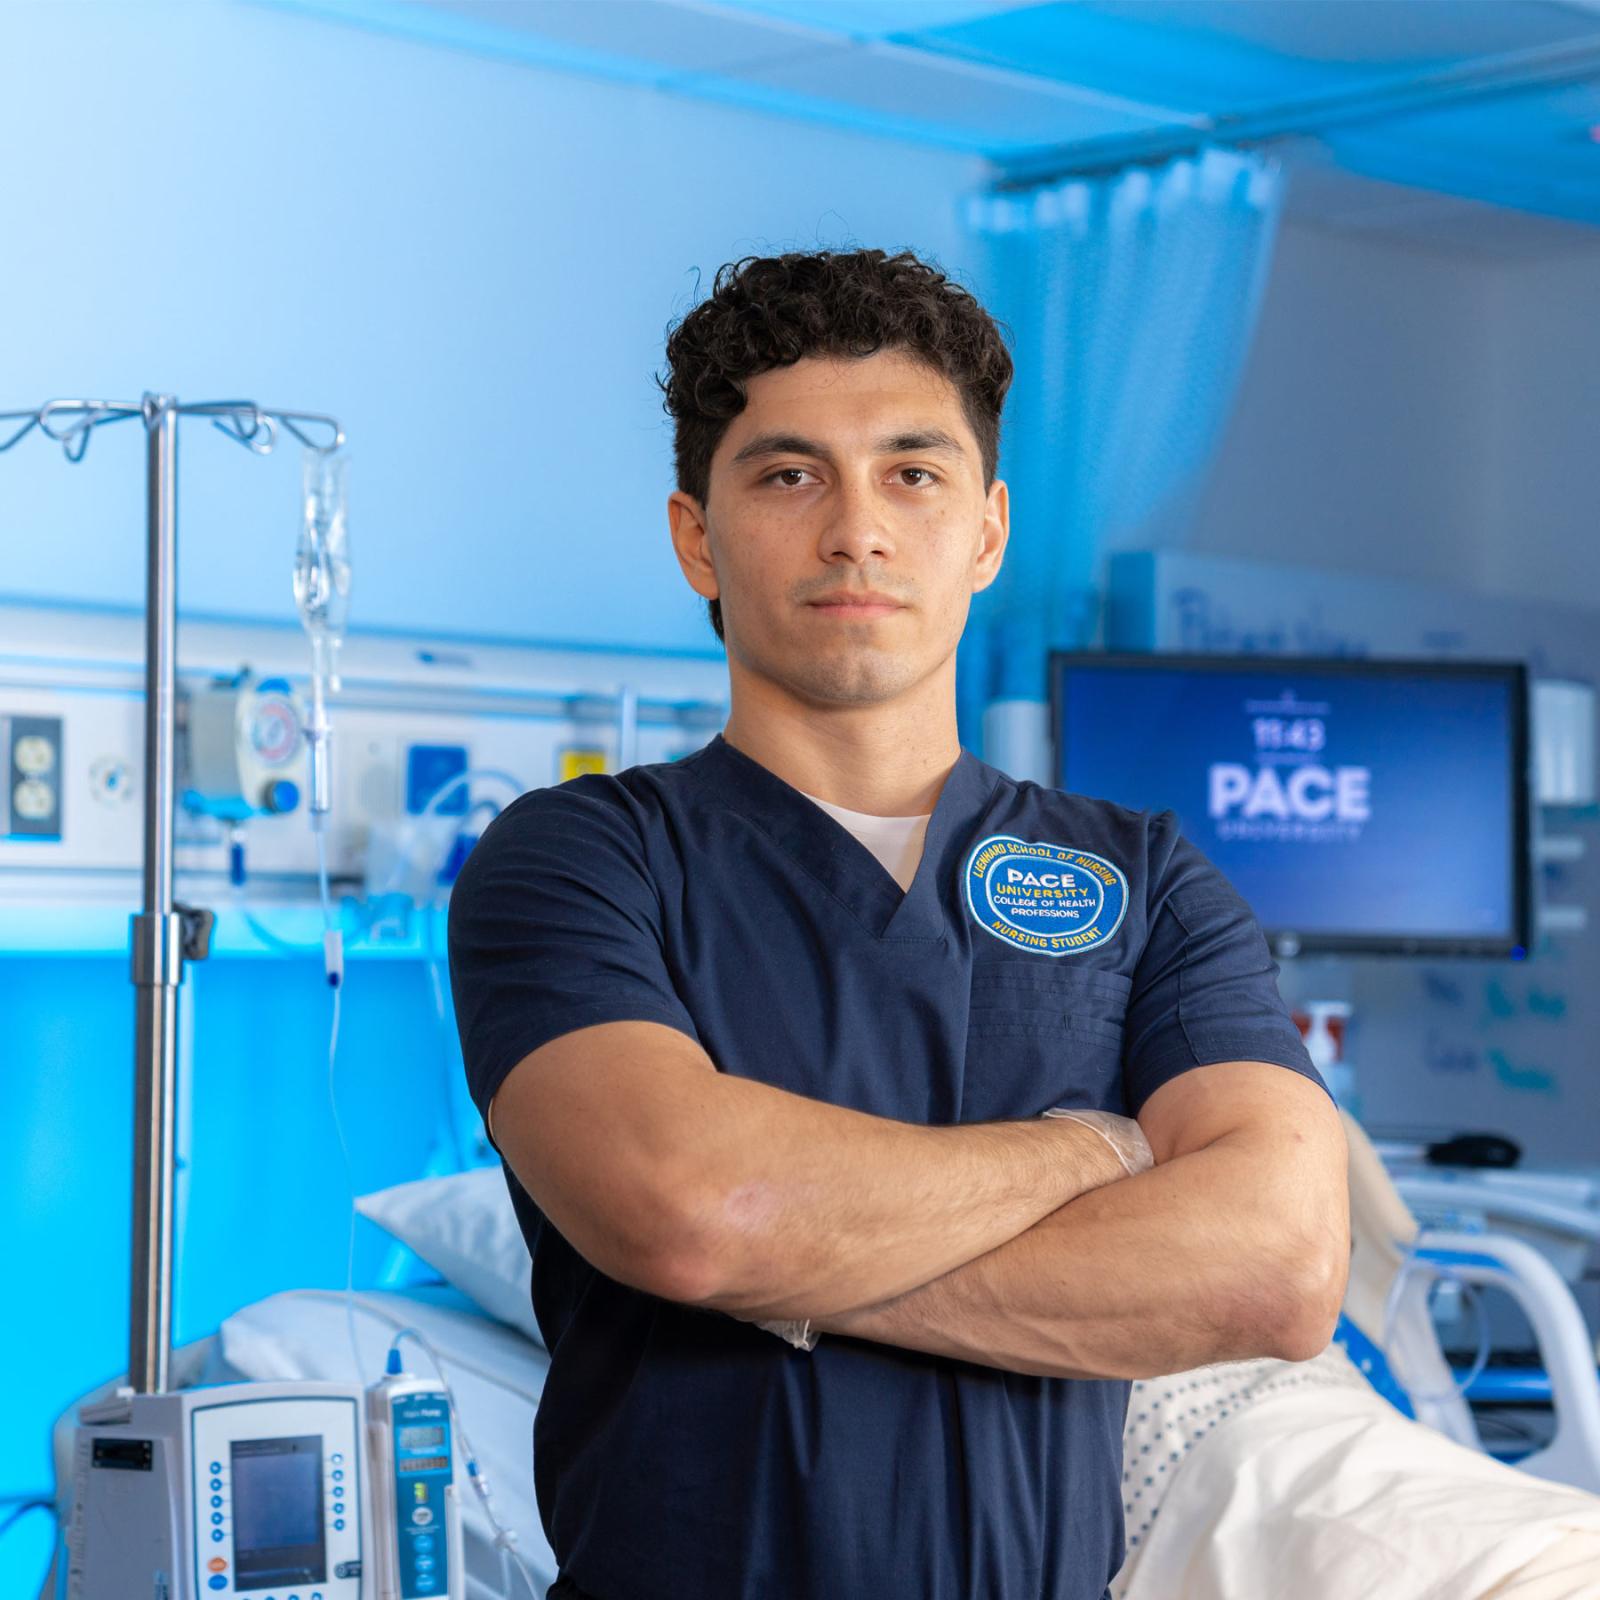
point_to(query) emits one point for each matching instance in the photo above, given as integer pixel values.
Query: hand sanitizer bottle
(1326, 1053)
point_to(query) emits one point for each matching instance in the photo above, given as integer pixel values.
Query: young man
(765, 1036)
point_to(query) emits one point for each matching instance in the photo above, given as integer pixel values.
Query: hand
(1123, 1134)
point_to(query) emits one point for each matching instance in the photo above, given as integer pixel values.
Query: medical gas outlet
(246, 749)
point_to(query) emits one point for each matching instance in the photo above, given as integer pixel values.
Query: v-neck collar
(832, 854)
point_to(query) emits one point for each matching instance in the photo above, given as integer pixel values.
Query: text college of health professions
(1006, 890)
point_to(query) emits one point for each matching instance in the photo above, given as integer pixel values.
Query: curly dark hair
(771, 311)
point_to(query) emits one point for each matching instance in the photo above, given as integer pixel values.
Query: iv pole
(164, 935)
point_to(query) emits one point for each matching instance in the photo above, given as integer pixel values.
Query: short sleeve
(554, 925)
(1205, 987)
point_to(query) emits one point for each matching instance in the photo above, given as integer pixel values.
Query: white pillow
(464, 1227)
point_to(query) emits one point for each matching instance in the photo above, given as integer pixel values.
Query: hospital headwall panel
(262, 1195)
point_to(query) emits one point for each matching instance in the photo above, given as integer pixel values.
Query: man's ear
(691, 543)
(996, 531)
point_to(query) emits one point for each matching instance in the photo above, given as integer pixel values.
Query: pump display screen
(423, 1438)
(277, 1512)
(1356, 804)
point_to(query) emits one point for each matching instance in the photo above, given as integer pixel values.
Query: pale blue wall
(471, 262)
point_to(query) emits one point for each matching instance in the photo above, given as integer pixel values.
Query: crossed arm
(1018, 1245)
(1235, 1244)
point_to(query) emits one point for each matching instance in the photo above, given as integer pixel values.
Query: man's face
(839, 479)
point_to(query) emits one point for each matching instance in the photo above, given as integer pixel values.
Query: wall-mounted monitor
(1358, 805)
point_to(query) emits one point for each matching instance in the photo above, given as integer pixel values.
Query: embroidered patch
(1048, 898)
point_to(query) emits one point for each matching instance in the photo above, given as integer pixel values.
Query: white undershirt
(895, 841)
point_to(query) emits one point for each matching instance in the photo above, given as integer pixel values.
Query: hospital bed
(1556, 1213)
(1246, 1478)
(1329, 1476)
(1388, 1241)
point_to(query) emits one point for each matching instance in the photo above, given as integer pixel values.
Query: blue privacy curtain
(1131, 299)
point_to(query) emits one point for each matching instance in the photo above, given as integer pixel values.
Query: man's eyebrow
(934, 439)
(792, 444)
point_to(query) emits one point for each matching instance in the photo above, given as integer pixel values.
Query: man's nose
(858, 524)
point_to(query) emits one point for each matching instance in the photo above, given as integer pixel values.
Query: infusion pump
(239, 1489)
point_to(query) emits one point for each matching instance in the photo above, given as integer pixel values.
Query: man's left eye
(921, 471)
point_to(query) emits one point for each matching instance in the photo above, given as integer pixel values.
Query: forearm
(1216, 1255)
(813, 1208)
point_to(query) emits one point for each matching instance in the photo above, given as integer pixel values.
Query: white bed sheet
(495, 1373)
(1332, 1493)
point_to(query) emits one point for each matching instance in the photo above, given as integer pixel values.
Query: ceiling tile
(999, 110)
(1387, 35)
(673, 38)
(863, 19)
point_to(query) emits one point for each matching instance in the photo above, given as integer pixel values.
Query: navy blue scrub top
(1053, 950)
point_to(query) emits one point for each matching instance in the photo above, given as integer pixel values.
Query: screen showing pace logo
(1289, 791)
(1371, 802)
